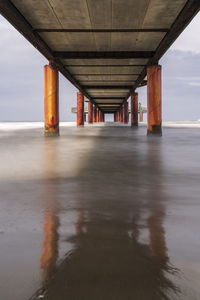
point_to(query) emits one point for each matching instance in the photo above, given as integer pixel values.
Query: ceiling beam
(103, 54)
(108, 74)
(108, 98)
(109, 103)
(104, 66)
(107, 87)
(101, 30)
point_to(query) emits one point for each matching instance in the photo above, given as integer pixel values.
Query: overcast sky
(21, 78)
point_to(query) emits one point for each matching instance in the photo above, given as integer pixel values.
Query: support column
(134, 109)
(121, 114)
(97, 115)
(94, 113)
(51, 101)
(154, 99)
(125, 112)
(90, 112)
(118, 116)
(100, 114)
(141, 116)
(80, 109)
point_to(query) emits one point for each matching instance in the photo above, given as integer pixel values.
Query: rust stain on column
(154, 100)
(134, 109)
(80, 109)
(90, 112)
(51, 101)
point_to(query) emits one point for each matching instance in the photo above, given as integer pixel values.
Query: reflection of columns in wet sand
(50, 249)
(156, 197)
(51, 221)
(157, 232)
(79, 224)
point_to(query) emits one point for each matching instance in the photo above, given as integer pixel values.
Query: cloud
(189, 40)
(194, 83)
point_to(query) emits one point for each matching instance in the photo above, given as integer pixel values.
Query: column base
(155, 130)
(51, 134)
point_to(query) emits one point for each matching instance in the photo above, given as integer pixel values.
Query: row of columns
(51, 105)
(94, 113)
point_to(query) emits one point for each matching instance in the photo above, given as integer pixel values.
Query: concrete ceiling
(104, 42)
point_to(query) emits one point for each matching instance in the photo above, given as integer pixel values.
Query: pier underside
(103, 47)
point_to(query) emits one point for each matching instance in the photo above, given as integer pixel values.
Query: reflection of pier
(108, 259)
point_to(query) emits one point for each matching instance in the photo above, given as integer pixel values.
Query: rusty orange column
(51, 101)
(122, 113)
(97, 115)
(90, 112)
(125, 118)
(118, 114)
(141, 116)
(94, 113)
(100, 116)
(80, 109)
(134, 109)
(154, 100)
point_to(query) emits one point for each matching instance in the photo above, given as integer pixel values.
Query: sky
(21, 79)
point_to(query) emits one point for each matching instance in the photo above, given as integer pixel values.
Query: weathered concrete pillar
(141, 116)
(51, 101)
(90, 112)
(125, 118)
(80, 109)
(94, 113)
(134, 109)
(154, 100)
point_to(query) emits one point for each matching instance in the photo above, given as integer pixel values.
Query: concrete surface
(99, 213)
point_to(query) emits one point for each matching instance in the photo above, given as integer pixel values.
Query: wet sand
(100, 213)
